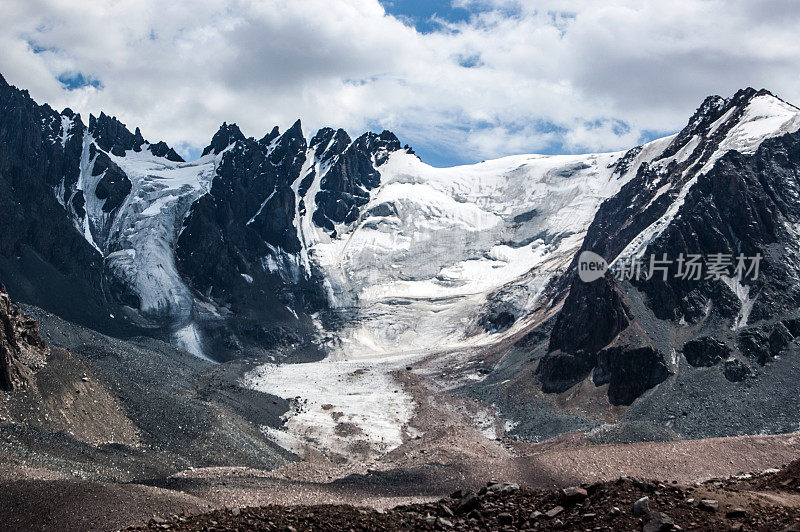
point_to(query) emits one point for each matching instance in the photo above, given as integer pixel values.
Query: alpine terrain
(312, 316)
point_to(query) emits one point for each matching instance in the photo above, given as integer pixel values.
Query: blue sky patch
(418, 13)
(470, 61)
(76, 80)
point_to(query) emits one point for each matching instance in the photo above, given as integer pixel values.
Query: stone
(735, 370)
(508, 487)
(754, 343)
(735, 513)
(505, 519)
(709, 505)
(595, 487)
(552, 512)
(658, 522)
(573, 495)
(501, 488)
(468, 503)
(641, 507)
(779, 338)
(705, 352)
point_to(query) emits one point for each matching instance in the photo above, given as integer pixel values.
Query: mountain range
(314, 270)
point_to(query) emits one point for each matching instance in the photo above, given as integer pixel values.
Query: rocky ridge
(705, 202)
(624, 504)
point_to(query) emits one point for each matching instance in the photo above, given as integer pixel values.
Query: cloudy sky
(460, 80)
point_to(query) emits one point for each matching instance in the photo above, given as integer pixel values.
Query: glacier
(138, 243)
(434, 256)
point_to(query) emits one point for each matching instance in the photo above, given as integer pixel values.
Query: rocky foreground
(769, 501)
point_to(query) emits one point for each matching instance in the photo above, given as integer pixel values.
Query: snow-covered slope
(415, 273)
(433, 243)
(141, 241)
(762, 117)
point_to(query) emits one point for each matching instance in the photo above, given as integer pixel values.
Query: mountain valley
(332, 319)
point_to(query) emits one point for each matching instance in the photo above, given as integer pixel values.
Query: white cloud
(545, 75)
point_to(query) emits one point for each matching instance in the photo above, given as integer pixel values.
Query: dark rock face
(160, 149)
(224, 137)
(754, 343)
(249, 210)
(34, 162)
(605, 315)
(239, 244)
(114, 186)
(561, 371)
(631, 371)
(574, 350)
(743, 205)
(637, 205)
(345, 188)
(779, 338)
(19, 335)
(330, 143)
(112, 136)
(497, 322)
(764, 343)
(705, 352)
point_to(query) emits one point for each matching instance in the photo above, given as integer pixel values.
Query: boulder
(735, 370)
(641, 507)
(736, 513)
(505, 519)
(573, 495)
(658, 522)
(779, 338)
(709, 505)
(705, 352)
